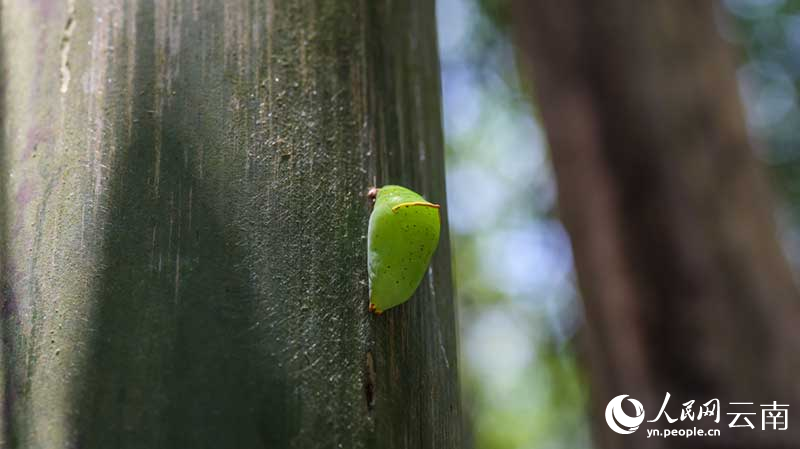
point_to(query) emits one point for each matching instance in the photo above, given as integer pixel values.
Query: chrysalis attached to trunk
(403, 234)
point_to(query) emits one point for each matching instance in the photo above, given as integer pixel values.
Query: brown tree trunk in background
(183, 215)
(685, 286)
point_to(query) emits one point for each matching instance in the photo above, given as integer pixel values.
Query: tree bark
(183, 200)
(684, 283)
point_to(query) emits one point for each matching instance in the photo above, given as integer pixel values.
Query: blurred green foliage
(767, 33)
(519, 313)
(513, 269)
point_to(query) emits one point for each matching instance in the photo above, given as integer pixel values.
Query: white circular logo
(618, 420)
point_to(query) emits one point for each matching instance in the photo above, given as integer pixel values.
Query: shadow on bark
(173, 359)
(7, 296)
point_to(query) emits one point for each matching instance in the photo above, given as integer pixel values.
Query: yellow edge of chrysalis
(415, 203)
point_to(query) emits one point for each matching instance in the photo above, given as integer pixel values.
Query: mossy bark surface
(183, 214)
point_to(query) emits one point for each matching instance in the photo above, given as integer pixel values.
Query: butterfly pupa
(402, 236)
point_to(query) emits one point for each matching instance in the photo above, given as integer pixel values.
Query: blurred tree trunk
(685, 285)
(183, 225)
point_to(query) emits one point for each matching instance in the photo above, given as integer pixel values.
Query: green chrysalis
(403, 234)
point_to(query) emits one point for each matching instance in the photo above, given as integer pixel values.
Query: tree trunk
(685, 286)
(183, 195)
